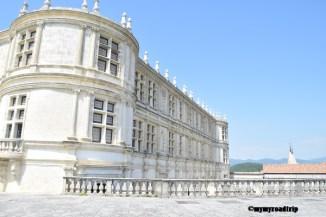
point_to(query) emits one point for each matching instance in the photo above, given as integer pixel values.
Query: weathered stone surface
(87, 206)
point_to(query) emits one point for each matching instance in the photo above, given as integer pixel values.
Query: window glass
(103, 52)
(8, 130)
(98, 104)
(104, 41)
(96, 134)
(110, 107)
(108, 136)
(109, 120)
(101, 64)
(19, 128)
(97, 118)
(113, 69)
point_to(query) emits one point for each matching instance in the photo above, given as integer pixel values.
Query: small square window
(108, 136)
(8, 130)
(32, 35)
(109, 120)
(114, 56)
(21, 114)
(28, 59)
(97, 118)
(13, 101)
(31, 45)
(22, 100)
(96, 134)
(101, 64)
(113, 69)
(103, 52)
(98, 104)
(104, 41)
(110, 107)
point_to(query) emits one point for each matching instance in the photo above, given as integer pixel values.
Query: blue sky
(263, 63)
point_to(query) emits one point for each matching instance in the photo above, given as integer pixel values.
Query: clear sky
(263, 63)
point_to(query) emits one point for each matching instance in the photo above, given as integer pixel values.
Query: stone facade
(75, 99)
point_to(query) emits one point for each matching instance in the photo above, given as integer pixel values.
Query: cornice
(83, 19)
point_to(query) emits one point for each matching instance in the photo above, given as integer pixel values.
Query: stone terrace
(17, 205)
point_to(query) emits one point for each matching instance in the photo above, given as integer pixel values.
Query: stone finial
(198, 101)
(85, 5)
(96, 8)
(146, 57)
(46, 4)
(166, 74)
(24, 9)
(129, 24)
(174, 81)
(157, 66)
(191, 94)
(184, 89)
(124, 18)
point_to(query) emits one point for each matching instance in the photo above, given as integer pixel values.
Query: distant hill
(275, 161)
(246, 167)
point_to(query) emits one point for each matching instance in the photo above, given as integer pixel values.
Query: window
(108, 136)
(171, 143)
(180, 110)
(33, 33)
(101, 64)
(28, 59)
(139, 85)
(115, 51)
(31, 45)
(19, 61)
(103, 52)
(110, 107)
(22, 100)
(137, 140)
(96, 134)
(25, 48)
(224, 133)
(21, 47)
(103, 121)
(172, 105)
(8, 130)
(97, 118)
(10, 115)
(180, 145)
(15, 117)
(104, 60)
(114, 69)
(152, 94)
(104, 41)
(21, 114)
(150, 138)
(98, 104)
(13, 101)
(109, 120)
(18, 130)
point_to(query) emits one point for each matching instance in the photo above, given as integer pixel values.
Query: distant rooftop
(295, 168)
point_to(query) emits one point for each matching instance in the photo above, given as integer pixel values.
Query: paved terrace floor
(19, 205)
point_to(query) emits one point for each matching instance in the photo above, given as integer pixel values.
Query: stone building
(76, 100)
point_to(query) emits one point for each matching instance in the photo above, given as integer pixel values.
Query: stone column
(80, 51)
(38, 41)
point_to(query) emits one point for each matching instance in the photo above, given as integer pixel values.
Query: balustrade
(194, 187)
(11, 146)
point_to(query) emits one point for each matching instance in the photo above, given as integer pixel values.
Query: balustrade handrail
(194, 187)
(11, 145)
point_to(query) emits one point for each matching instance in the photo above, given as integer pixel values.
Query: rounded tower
(66, 97)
